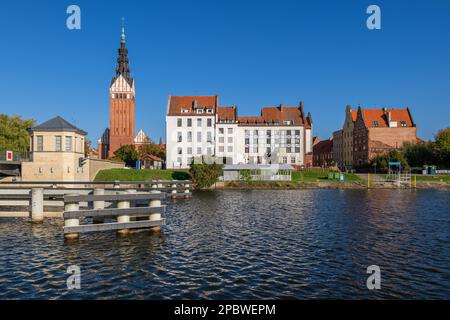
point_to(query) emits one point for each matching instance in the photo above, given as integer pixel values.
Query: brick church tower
(122, 107)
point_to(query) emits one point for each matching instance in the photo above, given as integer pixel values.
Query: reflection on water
(246, 245)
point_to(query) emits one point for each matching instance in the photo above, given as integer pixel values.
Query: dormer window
(288, 122)
(199, 110)
(375, 124)
(185, 110)
(403, 123)
(209, 110)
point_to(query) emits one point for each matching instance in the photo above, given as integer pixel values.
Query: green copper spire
(123, 31)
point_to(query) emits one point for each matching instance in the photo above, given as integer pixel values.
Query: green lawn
(443, 177)
(141, 175)
(320, 176)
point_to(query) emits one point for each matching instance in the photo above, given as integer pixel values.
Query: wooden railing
(16, 197)
(125, 216)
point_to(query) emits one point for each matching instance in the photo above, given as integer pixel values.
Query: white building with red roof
(196, 127)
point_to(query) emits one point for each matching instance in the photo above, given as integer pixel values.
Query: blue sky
(251, 53)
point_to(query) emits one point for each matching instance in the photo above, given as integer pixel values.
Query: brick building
(121, 129)
(323, 153)
(378, 131)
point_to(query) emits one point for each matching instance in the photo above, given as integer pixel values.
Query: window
(209, 110)
(189, 136)
(403, 123)
(209, 122)
(199, 137)
(230, 139)
(40, 143)
(68, 143)
(179, 160)
(221, 148)
(199, 110)
(179, 151)
(287, 122)
(230, 149)
(199, 122)
(199, 151)
(284, 160)
(221, 139)
(189, 150)
(292, 160)
(58, 143)
(179, 137)
(375, 123)
(230, 130)
(189, 122)
(220, 130)
(209, 151)
(209, 136)
(247, 149)
(179, 122)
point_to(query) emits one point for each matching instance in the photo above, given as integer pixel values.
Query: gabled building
(377, 131)
(323, 153)
(57, 153)
(197, 126)
(121, 129)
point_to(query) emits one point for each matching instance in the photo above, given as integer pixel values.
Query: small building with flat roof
(254, 172)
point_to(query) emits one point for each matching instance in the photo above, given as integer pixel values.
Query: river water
(246, 245)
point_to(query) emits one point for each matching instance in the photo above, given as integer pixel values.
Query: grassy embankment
(437, 178)
(141, 175)
(428, 178)
(300, 179)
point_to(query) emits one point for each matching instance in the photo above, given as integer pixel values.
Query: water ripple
(246, 245)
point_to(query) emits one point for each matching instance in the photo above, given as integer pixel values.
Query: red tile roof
(179, 103)
(354, 115)
(370, 116)
(227, 114)
(278, 116)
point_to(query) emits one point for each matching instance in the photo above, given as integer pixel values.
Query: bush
(205, 175)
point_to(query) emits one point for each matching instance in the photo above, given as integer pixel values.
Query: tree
(205, 175)
(127, 154)
(420, 154)
(14, 133)
(382, 161)
(443, 147)
(87, 147)
(153, 149)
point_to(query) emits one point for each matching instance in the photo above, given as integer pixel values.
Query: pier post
(37, 204)
(74, 206)
(174, 189)
(153, 204)
(98, 205)
(123, 218)
(186, 191)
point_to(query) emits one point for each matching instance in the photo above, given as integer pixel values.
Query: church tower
(122, 103)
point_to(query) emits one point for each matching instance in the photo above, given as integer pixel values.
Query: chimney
(389, 118)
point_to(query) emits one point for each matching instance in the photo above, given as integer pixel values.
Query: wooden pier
(124, 205)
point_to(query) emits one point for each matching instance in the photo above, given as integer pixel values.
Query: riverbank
(293, 185)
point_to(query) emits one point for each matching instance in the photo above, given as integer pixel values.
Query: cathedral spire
(122, 39)
(122, 60)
